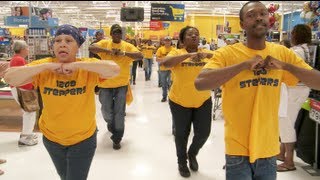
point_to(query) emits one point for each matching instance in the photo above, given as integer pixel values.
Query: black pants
(134, 70)
(183, 118)
(140, 63)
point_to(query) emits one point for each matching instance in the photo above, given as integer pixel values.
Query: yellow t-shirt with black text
(147, 51)
(250, 100)
(69, 111)
(183, 91)
(161, 53)
(123, 61)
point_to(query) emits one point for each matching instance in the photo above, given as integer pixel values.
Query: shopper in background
(66, 83)
(286, 43)
(27, 137)
(99, 36)
(188, 106)
(250, 75)
(134, 65)
(165, 73)
(113, 91)
(291, 100)
(148, 51)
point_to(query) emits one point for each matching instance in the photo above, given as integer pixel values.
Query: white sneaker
(27, 140)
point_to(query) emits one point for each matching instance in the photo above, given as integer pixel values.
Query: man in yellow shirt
(165, 73)
(250, 75)
(147, 51)
(112, 95)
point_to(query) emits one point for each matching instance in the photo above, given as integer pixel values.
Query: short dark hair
(183, 32)
(247, 3)
(301, 34)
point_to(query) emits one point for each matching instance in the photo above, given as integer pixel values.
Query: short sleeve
(173, 52)
(217, 61)
(131, 48)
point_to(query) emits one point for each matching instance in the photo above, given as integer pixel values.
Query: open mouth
(63, 53)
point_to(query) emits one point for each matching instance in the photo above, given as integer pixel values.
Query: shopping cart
(216, 103)
(177, 13)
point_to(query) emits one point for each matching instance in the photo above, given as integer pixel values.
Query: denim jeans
(72, 162)
(113, 107)
(148, 68)
(240, 168)
(183, 118)
(165, 79)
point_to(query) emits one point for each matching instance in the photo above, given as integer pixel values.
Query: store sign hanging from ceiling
(167, 12)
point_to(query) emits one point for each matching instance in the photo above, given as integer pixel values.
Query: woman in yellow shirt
(188, 106)
(66, 85)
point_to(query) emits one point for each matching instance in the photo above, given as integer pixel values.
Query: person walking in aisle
(188, 106)
(165, 73)
(27, 137)
(250, 75)
(99, 36)
(66, 83)
(148, 51)
(134, 65)
(113, 91)
(292, 100)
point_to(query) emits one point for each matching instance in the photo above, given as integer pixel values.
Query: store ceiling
(95, 13)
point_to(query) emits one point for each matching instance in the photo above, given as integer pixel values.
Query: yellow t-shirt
(123, 61)
(183, 91)
(250, 101)
(161, 53)
(69, 110)
(147, 51)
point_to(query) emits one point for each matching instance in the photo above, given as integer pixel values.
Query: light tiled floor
(148, 151)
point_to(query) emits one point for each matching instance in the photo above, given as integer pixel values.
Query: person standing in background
(165, 73)
(148, 51)
(27, 137)
(292, 98)
(113, 92)
(134, 65)
(99, 36)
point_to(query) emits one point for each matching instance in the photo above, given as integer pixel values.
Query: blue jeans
(113, 108)
(165, 79)
(72, 162)
(240, 168)
(148, 68)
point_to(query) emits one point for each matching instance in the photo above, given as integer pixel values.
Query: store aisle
(147, 152)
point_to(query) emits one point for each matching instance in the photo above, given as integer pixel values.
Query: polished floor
(147, 153)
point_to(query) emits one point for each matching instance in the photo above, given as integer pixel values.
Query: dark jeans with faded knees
(240, 168)
(72, 162)
(113, 108)
(165, 80)
(183, 118)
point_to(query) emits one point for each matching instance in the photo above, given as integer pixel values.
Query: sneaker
(116, 146)
(163, 99)
(184, 170)
(134, 83)
(27, 140)
(193, 163)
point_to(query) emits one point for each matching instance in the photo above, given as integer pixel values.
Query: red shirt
(20, 61)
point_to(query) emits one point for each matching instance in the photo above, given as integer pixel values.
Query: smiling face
(65, 48)
(255, 20)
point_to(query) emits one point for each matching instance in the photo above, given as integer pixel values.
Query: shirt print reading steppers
(65, 88)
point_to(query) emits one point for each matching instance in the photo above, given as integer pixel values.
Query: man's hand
(255, 63)
(68, 68)
(273, 63)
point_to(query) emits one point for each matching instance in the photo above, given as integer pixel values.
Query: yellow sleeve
(173, 52)
(158, 53)
(131, 48)
(294, 59)
(36, 78)
(217, 61)
(102, 44)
